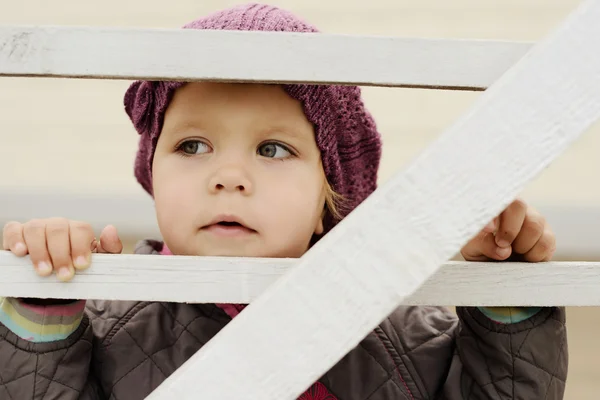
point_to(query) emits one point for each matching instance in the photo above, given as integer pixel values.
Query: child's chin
(255, 249)
(231, 252)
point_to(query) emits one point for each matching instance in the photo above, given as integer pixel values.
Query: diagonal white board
(350, 281)
(265, 56)
(186, 279)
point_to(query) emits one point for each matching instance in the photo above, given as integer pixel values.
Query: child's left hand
(519, 233)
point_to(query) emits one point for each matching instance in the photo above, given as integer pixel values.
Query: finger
(59, 247)
(34, 234)
(511, 221)
(81, 235)
(483, 248)
(491, 226)
(12, 238)
(531, 232)
(544, 248)
(109, 241)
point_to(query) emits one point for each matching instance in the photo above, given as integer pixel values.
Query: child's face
(238, 152)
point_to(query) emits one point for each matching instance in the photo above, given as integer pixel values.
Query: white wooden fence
(391, 250)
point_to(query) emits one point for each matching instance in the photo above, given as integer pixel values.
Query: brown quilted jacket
(123, 350)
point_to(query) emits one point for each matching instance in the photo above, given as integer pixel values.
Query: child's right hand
(58, 244)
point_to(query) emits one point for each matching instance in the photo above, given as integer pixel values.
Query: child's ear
(319, 228)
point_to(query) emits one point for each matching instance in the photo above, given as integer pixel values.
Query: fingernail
(503, 251)
(65, 273)
(19, 248)
(81, 262)
(503, 243)
(44, 268)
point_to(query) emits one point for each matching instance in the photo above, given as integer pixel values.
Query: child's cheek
(293, 209)
(175, 204)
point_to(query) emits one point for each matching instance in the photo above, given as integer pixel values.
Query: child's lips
(228, 225)
(228, 230)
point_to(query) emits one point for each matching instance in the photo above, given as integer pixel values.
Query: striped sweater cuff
(39, 323)
(509, 315)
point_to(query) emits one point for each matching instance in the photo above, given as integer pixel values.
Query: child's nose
(230, 179)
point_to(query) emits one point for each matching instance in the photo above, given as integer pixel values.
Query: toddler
(259, 170)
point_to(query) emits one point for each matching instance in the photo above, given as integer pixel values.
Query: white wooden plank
(348, 282)
(253, 56)
(242, 280)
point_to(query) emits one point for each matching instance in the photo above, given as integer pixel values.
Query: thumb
(109, 241)
(483, 247)
(492, 226)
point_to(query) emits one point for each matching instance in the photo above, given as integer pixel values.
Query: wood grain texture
(80, 52)
(390, 245)
(241, 280)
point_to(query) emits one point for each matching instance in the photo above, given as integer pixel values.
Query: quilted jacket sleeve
(46, 351)
(436, 354)
(523, 360)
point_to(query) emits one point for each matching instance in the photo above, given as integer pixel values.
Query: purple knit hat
(345, 132)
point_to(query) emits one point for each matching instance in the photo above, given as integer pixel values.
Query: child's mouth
(228, 228)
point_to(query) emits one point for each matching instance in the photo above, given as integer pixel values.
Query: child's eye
(274, 150)
(192, 147)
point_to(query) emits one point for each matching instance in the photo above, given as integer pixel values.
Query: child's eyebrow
(186, 127)
(183, 128)
(291, 131)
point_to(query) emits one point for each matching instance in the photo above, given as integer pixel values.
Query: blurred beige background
(67, 146)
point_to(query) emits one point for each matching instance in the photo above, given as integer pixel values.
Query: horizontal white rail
(110, 53)
(241, 280)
